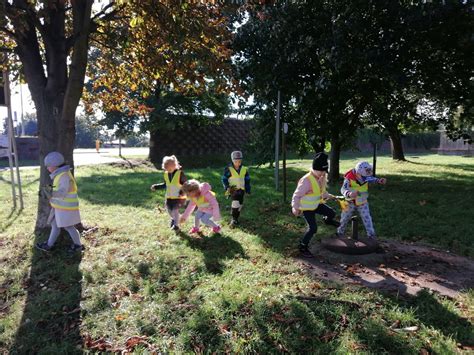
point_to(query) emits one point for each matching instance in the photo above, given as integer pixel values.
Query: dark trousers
(310, 217)
(237, 195)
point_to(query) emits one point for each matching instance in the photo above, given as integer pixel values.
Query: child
(355, 190)
(308, 199)
(236, 181)
(207, 206)
(64, 202)
(174, 179)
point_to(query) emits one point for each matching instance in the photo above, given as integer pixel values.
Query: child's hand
(326, 196)
(296, 212)
(382, 181)
(182, 220)
(353, 194)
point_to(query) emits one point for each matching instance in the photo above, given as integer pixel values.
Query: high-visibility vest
(201, 201)
(173, 187)
(237, 179)
(71, 201)
(362, 192)
(311, 200)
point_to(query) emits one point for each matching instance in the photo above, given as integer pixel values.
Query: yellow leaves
(160, 43)
(135, 21)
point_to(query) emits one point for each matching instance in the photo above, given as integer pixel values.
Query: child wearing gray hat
(64, 203)
(236, 181)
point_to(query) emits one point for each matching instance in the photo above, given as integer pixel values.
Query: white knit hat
(53, 159)
(364, 168)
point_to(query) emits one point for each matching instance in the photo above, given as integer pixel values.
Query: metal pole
(283, 143)
(374, 162)
(277, 142)
(355, 231)
(11, 137)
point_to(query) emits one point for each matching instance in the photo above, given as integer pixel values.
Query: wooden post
(12, 148)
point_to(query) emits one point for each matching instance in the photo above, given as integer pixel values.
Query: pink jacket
(304, 187)
(213, 208)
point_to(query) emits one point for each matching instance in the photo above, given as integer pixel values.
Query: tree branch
(104, 10)
(6, 50)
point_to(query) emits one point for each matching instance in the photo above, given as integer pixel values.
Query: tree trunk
(55, 95)
(334, 158)
(154, 155)
(396, 144)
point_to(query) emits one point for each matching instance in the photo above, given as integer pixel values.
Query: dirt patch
(398, 267)
(132, 164)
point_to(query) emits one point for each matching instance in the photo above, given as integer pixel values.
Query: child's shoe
(172, 224)
(234, 223)
(43, 246)
(216, 229)
(73, 249)
(305, 252)
(175, 228)
(194, 230)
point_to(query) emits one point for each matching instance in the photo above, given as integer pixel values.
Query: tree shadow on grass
(10, 220)
(427, 309)
(215, 249)
(291, 325)
(51, 320)
(432, 313)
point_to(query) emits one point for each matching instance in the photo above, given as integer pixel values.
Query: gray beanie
(236, 155)
(53, 159)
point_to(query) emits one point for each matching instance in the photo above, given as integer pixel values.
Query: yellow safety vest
(71, 201)
(362, 192)
(173, 187)
(310, 201)
(201, 202)
(237, 179)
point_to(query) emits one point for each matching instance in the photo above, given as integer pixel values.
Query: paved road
(106, 155)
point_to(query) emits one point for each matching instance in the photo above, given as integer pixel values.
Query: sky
(28, 106)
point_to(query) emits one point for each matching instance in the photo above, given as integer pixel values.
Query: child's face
(319, 173)
(194, 194)
(170, 167)
(237, 163)
(51, 169)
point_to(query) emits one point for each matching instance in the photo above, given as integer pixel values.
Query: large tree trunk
(55, 95)
(396, 144)
(154, 155)
(334, 158)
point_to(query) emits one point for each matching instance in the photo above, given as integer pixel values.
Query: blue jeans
(204, 218)
(310, 218)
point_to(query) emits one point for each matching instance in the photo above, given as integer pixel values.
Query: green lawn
(238, 292)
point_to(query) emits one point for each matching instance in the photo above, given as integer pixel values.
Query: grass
(239, 292)
(5, 164)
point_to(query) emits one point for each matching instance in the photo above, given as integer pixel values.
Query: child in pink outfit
(200, 195)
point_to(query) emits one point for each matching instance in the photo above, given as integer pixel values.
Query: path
(91, 157)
